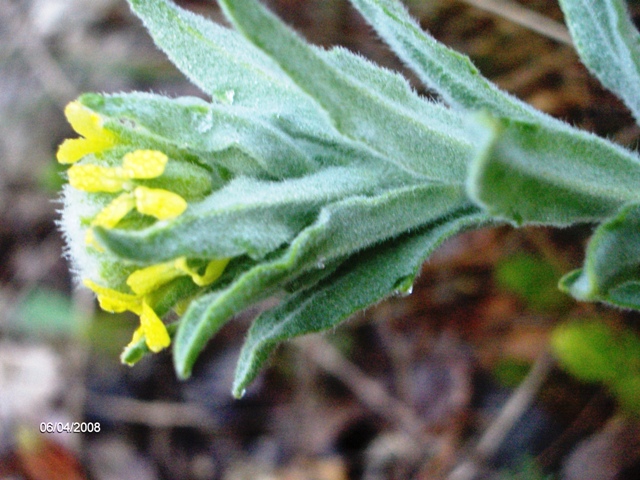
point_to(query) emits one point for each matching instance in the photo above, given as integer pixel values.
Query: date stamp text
(69, 427)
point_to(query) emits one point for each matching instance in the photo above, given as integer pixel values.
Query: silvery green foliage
(332, 181)
(607, 42)
(611, 270)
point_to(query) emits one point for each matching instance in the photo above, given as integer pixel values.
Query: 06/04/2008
(69, 427)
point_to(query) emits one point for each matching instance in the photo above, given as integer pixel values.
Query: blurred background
(424, 386)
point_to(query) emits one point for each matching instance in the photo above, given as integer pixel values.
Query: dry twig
(157, 414)
(515, 407)
(369, 391)
(527, 18)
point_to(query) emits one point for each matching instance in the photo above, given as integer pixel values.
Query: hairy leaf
(204, 130)
(448, 72)
(246, 217)
(611, 272)
(361, 281)
(609, 45)
(371, 220)
(531, 173)
(421, 147)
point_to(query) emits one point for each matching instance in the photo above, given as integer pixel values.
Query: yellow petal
(89, 125)
(159, 203)
(96, 178)
(114, 301)
(84, 121)
(211, 274)
(144, 164)
(148, 279)
(111, 215)
(155, 332)
(73, 149)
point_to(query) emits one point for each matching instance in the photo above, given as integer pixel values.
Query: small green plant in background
(595, 352)
(534, 280)
(320, 177)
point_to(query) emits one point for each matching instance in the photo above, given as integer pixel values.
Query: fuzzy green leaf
(220, 61)
(200, 47)
(608, 44)
(201, 130)
(359, 112)
(450, 73)
(341, 229)
(361, 281)
(611, 272)
(532, 173)
(247, 216)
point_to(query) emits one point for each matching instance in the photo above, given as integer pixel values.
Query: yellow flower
(159, 203)
(96, 178)
(111, 300)
(95, 138)
(211, 273)
(144, 164)
(151, 327)
(155, 333)
(137, 165)
(144, 281)
(110, 215)
(148, 279)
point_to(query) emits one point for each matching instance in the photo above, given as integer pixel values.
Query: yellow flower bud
(211, 274)
(151, 278)
(144, 164)
(159, 203)
(115, 211)
(114, 301)
(96, 178)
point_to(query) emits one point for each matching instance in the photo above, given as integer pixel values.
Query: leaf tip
(577, 284)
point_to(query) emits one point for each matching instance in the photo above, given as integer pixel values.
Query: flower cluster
(93, 172)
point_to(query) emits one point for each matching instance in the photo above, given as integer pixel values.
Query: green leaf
(611, 272)
(533, 279)
(221, 62)
(448, 72)
(394, 88)
(363, 280)
(432, 149)
(627, 391)
(588, 350)
(608, 44)
(246, 217)
(263, 92)
(341, 228)
(594, 351)
(532, 168)
(532, 173)
(199, 131)
(134, 352)
(242, 80)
